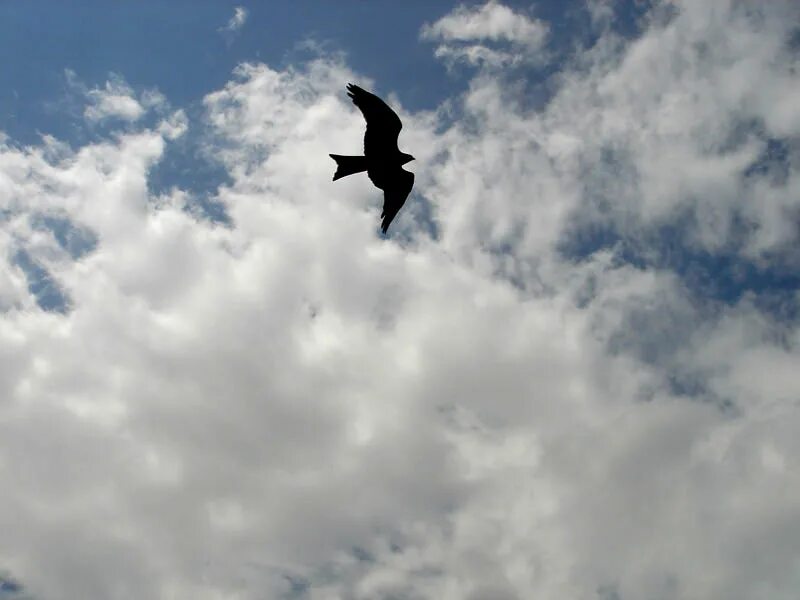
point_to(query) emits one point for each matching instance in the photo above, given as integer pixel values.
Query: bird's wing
(395, 193)
(383, 124)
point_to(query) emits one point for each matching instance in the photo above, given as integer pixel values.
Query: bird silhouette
(382, 159)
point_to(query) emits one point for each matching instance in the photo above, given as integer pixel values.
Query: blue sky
(569, 371)
(178, 48)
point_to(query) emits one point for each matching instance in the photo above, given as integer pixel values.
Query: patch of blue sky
(177, 47)
(187, 165)
(10, 589)
(725, 276)
(298, 587)
(48, 294)
(75, 240)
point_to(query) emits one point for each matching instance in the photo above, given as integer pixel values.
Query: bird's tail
(347, 165)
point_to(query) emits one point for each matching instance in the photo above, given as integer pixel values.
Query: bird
(382, 159)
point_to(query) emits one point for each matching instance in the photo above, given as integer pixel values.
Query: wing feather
(395, 193)
(383, 124)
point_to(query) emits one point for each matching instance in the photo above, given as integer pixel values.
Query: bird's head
(406, 158)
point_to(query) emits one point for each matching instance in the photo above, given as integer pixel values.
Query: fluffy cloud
(492, 21)
(116, 100)
(536, 401)
(465, 32)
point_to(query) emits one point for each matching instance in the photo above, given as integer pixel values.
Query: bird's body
(382, 159)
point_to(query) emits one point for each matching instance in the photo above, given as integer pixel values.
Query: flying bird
(382, 159)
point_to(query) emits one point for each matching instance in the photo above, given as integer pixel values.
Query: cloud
(492, 21)
(601, 12)
(537, 402)
(116, 100)
(237, 21)
(465, 32)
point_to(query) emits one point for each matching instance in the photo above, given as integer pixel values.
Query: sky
(568, 371)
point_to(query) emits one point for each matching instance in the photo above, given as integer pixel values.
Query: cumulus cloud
(492, 21)
(468, 34)
(538, 401)
(115, 100)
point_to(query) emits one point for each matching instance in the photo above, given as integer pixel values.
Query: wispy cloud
(237, 21)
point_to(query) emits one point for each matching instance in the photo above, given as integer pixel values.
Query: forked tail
(347, 165)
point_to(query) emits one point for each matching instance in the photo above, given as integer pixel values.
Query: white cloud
(293, 407)
(601, 12)
(492, 21)
(237, 21)
(115, 100)
(465, 31)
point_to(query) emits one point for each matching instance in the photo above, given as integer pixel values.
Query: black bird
(382, 159)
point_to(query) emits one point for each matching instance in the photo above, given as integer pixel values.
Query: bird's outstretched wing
(383, 124)
(395, 193)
